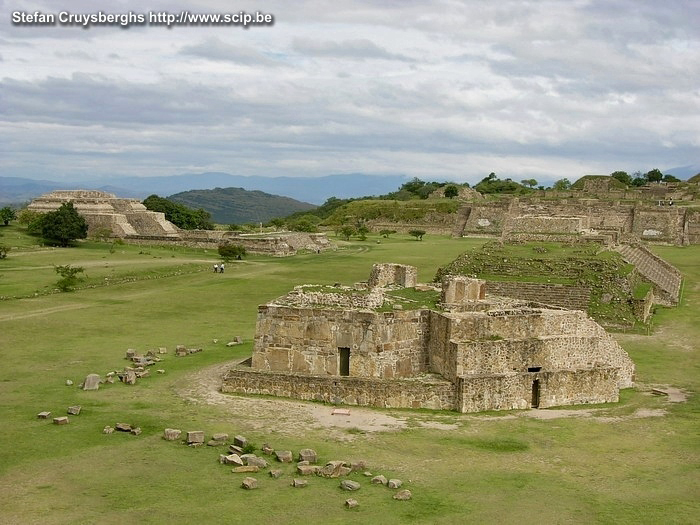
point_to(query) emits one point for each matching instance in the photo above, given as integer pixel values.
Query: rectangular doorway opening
(344, 363)
(535, 402)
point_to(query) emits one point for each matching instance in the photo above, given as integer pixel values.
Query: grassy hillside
(634, 462)
(239, 206)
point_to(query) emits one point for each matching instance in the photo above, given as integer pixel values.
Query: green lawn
(493, 467)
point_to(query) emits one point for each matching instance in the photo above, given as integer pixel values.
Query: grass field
(632, 462)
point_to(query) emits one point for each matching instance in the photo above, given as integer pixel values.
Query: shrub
(69, 277)
(231, 251)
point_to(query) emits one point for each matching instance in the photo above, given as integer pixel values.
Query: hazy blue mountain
(683, 172)
(236, 205)
(306, 189)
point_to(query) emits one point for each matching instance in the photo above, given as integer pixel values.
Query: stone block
(351, 503)
(74, 410)
(307, 470)
(348, 484)
(195, 436)
(394, 483)
(284, 456)
(123, 427)
(62, 420)
(136, 431)
(378, 480)
(245, 468)
(92, 382)
(240, 441)
(253, 460)
(308, 454)
(108, 430)
(275, 473)
(171, 434)
(249, 483)
(267, 449)
(234, 459)
(162, 350)
(299, 483)
(220, 436)
(235, 449)
(403, 495)
(44, 415)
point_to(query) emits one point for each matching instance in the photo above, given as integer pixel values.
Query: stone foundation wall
(431, 393)
(545, 224)
(561, 295)
(307, 341)
(559, 388)
(387, 274)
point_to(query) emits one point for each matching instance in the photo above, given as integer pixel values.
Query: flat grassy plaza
(636, 461)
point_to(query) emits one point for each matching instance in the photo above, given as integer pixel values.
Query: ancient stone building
(474, 352)
(129, 219)
(104, 211)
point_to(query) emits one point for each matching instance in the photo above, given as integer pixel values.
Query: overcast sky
(439, 90)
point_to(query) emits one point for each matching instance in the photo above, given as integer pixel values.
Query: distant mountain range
(239, 206)
(306, 189)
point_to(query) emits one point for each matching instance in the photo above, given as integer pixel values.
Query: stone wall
(307, 341)
(304, 297)
(389, 274)
(429, 392)
(561, 295)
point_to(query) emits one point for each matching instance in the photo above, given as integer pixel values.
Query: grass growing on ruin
(635, 462)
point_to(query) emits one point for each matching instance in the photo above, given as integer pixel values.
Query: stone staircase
(461, 221)
(665, 277)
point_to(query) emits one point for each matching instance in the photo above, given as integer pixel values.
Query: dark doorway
(535, 402)
(344, 365)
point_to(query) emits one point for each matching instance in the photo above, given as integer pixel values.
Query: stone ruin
(110, 216)
(474, 352)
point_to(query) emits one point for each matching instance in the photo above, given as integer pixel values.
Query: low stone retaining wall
(562, 295)
(433, 393)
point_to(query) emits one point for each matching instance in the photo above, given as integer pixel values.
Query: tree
(179, 214)
(418, 234)
(69, 277)
(671, 178)
(64, 225)
(654, 175)
(230, 251)
(346, 231)
(7, 214)
(622, 176)
(362, 232)
(561, 185)
(451, 191)
(386, 233)
(531, 183)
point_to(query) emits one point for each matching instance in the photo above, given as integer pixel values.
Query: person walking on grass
(216, 268)
(221, 268)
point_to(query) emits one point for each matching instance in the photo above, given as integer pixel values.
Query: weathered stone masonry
(479, 354)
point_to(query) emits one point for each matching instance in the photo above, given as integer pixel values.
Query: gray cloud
(450, 90)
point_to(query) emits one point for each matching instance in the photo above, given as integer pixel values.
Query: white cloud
(450, 89)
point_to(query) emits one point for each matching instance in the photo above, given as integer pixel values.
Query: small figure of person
(216, 268)
(670, 202)
(221, 268)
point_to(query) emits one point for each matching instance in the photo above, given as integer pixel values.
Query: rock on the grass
(249, 483)
(240, 441)
(275, 473)
(92, 382)
(123, 427)
(63, 420)
(284, 456)
(348, 484)
(351, 503)
(252, 459)
(307, 470)
(108, 430)
(308, 454)
(299, 483)
(171, 434)
(379, 480)
(195, 437)
(233, 459)
(44, 415)
(245, 468)
(403, 495)
(74, 410)
(267, 449)
(136, 431)
(394, 483)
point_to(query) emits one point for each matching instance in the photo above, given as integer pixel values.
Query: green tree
(639, 179)
(64, 225)
(7, 214)
(231, 251)
(276, 223)
(654, 175)
(69, 277)
(386, 233)
(531, 183)
(362, 232)
(622, 176)
(418, 234)
(671, 178)
(346, 231)
(451, 191)
(561, 185)
(179, 214)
